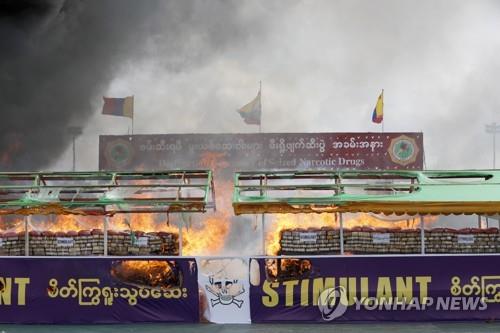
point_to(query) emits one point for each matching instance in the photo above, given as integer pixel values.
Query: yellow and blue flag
(378, 111)
(251, 112)
(123, 107)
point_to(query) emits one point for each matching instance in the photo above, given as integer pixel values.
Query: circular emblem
(119, 153)
(403, 150)
(333, 303)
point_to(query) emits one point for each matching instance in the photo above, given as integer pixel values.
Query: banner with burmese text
(227, 153)
(98, 290)
(389, 288)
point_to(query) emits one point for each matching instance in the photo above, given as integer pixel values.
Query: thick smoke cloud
(322, 65)
(59, 57)
(56, 57)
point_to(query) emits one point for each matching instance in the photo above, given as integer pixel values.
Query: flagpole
(260, 93)
(262, 216)
(383, 109)
(133, 102)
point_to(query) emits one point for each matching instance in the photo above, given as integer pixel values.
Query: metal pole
(74, 154)
(74, 131)
(27, 222)
(341, 221)
(106, 224)
(263, 235)
(422, 235)
(479, 221)
(180, 239)
(493, 128)
(260, 101)
(263, 231)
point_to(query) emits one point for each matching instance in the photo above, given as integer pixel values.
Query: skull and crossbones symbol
(226, 290)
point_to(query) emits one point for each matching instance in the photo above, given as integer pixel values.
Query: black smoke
(56, 58)
(59, 57)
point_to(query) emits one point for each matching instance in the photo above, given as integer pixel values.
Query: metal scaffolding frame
(105, 193)
(388, 192)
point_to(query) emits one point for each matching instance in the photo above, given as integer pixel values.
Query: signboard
(381, 238)
(231, 152)
(465, 239)
(308, 237)
(385, 288)
(244, 290)
(65, 242)
(141, 241)
(98, 290)
(224, 290)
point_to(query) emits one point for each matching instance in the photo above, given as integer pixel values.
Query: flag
(378, 112)
(251, 112)
(123, 107)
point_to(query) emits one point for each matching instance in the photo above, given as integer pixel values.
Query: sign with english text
(375, 288)
(226, 153)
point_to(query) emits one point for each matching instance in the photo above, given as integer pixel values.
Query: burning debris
(287, 269)
(134, 234)
(158, 274)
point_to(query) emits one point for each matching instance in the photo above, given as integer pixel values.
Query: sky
(322, 65)
(190, 64)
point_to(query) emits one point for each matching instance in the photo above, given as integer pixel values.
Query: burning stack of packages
(140, 243)
(11, 243)
(467, 240)
(382, 240)
(310, 241)
(367, 240)
(88, 242)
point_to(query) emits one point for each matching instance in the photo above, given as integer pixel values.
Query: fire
(304, 221)
(204, 234)
(142, 222)
(206, 237)
(291, 221)
(152, 273)
(287, 268)
(208, 240)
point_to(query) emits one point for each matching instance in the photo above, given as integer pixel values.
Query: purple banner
(98, 290)
(412, 288)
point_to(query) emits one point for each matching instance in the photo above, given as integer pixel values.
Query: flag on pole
(378, 112)
(251, 112)
(123, 107)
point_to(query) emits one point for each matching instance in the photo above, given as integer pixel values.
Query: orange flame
(206, 238)
(154, 273)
